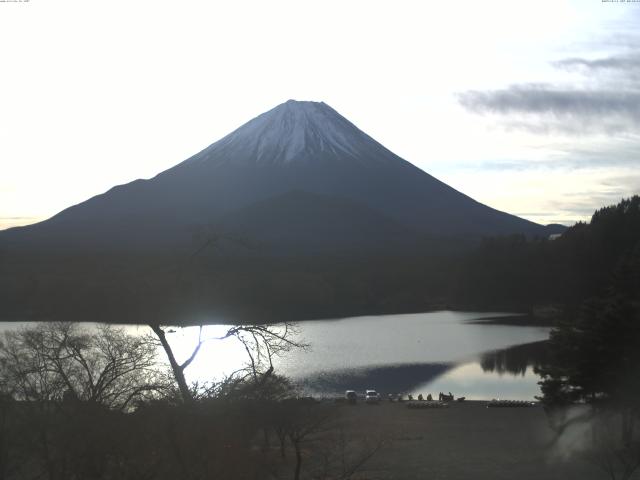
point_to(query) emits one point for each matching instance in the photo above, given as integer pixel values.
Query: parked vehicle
(371, 396)
(351, 396)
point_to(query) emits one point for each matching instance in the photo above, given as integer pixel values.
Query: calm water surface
(413, 353)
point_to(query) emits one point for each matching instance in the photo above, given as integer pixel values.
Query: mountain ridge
(296, 146)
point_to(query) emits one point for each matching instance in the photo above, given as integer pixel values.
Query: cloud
(609, 191)
(619, 153)
(606, 102)
(620, 62)
(557, 109)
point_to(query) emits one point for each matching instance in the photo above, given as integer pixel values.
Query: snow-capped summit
(295, 131)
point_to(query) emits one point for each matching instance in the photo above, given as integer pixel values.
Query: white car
(371, 396)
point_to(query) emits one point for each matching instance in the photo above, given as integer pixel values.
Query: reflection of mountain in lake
(389, 379)
(406, 378)
(515, 360)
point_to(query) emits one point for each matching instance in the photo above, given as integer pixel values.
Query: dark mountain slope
(301, 146)
(299, 222)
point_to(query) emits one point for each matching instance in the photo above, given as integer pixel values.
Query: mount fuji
(298, 179)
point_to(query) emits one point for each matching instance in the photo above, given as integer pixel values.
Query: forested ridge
(515, 273)
(585, 261)
(590, 380)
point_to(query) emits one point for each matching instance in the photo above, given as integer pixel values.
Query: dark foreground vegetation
(98, 405)
(218, 438)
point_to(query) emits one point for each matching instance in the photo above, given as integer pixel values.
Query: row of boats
(418, 404)
(510, 403)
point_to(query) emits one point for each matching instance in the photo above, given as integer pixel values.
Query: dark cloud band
(536, 99)
(625, 63)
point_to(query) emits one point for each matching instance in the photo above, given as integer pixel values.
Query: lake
(411, 353)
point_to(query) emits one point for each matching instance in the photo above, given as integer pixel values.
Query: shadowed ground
(465, 441)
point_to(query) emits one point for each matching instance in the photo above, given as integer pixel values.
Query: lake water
(418, 353)
(412, 353)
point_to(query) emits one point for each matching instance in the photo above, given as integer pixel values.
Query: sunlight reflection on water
(391, 344)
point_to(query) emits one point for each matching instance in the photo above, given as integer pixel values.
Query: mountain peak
(300, 110)
(294, 131)
(301, 103)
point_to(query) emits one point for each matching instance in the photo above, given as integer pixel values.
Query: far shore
(520, 320)
(513, 318)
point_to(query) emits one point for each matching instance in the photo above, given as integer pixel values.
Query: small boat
(426, 404)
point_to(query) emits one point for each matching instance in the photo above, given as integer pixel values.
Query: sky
(531, 107)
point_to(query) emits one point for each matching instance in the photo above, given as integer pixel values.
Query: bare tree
(319, 438)
(178, 368)
(56, 361)
(70, 386)
(618, 457)
(305, 420)
(262, 344)
(342, 456)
